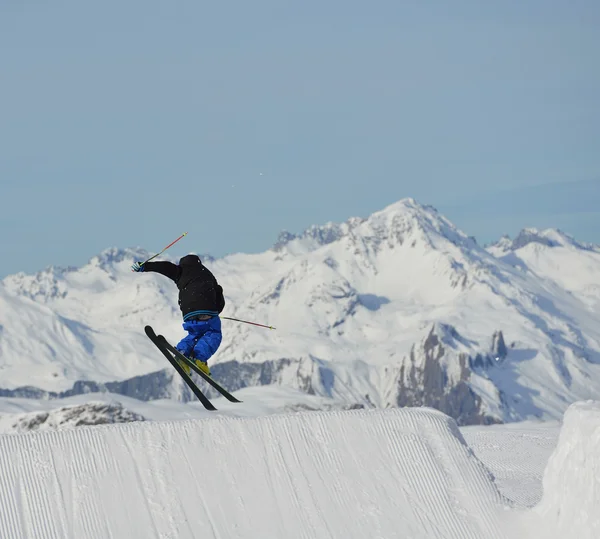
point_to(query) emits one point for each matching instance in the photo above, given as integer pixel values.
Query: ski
(205, 376)
(160, 343)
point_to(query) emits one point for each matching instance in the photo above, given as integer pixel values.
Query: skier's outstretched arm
(168, 269)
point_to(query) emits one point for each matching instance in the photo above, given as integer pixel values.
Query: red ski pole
(170, 245)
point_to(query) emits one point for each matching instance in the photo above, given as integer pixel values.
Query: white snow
(353, 304)
(380, 473)
(396, 473)
(516, 454)
(570, 506)
(16, 413)
(349, 299)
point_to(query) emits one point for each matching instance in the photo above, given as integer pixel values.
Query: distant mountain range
(399, 309)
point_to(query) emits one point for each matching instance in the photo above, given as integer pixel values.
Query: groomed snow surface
(393, 473)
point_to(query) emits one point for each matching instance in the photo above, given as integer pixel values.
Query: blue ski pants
(203, 338)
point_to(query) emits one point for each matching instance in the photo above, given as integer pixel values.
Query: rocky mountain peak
(550, 237)
(404, 220)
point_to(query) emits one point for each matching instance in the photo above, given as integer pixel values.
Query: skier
(200, 300)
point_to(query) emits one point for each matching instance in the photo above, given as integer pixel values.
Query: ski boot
(202, 365)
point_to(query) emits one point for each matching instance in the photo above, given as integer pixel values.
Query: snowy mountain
(555, 256)
(398, 309)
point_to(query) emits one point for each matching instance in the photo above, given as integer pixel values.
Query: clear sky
(124, 124)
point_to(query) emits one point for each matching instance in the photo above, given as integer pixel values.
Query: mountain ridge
(400, 308)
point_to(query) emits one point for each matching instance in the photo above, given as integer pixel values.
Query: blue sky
(128, 123)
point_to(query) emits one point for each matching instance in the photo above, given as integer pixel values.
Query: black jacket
(199, 292)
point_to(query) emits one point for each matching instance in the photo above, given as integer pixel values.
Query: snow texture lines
(381, 474)
(11, 523)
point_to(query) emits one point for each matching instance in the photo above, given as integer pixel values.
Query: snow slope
(398, 309)
(19, 415)
(516, 454)
(378, 473)
(570, 506)
(558, 258)
(394, 473)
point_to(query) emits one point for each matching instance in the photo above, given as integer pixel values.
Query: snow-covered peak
(409, 220)
(549, 237)
(315, 236)
(500, 247)
(404, 220)
(312, 238)
(53, 282)
(553, 255)
(111, 258)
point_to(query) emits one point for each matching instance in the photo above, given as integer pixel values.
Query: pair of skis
(172, 354)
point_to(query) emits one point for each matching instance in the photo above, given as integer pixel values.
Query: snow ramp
(356, 474)
(570, 506)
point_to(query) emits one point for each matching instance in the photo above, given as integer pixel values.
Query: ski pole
(170, 245)
(246, 322)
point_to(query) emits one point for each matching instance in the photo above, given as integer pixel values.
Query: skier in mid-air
(200, 300)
